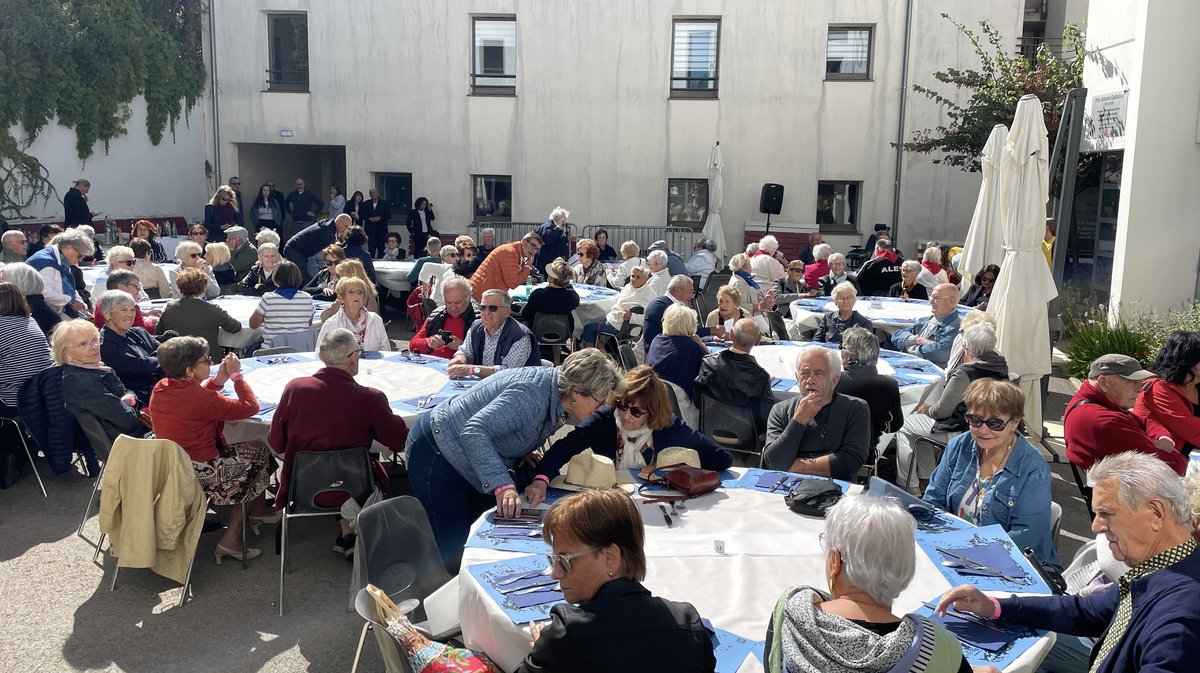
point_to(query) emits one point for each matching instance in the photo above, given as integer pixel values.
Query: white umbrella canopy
(1025, 285)
(713, 228)
(985, 240)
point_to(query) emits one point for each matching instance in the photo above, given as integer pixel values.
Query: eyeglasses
(199, 233)
(126, 262)
(452, 255)
(563, 561)
(994, 424)
(204, 362)
(194, 255)
(636, 412)
(491, 308)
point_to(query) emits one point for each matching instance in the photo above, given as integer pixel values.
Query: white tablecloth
(886, 313)
(767, 550)
(240, 308)
(594, 302)
(99, 274)
(393, 273)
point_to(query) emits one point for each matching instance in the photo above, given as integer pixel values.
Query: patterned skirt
(240, 474)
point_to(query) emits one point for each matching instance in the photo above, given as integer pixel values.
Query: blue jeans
(451, 502)
(592, 330)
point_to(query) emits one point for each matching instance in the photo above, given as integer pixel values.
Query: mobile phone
(445, 335)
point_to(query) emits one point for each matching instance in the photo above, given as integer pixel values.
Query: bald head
(342, 222)
(943, 299)
(745, 335)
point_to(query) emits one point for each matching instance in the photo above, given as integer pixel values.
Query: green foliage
(81, 62)
(1094, 340)
(1079, 307)
(995, 89)
(1155, 329)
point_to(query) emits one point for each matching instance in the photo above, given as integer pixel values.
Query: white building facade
(498, 109)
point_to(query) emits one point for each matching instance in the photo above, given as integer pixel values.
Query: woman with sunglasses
(221, 213)
(994, 475)
(980, 291)
(599, 560)
(633, 426)
(589, 270)
(190, 255)
(148, 231)
(118, 257)
(323, 284)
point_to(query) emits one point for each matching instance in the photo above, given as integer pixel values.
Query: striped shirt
(284, 316)
(23, 353)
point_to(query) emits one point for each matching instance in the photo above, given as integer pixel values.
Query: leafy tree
(995, 89)
(82, 62)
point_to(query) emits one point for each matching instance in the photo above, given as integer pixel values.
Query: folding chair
(698, 302)
(628, 357)
(733, 427)
(28, 454)
(1085, 491)
(103, 446)
(552, 330)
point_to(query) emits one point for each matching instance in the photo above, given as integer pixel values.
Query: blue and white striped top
(23, 353)
(284, 316)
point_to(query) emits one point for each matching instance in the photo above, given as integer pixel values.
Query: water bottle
(110, 232)
(528, 286)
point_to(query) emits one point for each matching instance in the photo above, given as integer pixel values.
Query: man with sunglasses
(15, 247)
(496, 341)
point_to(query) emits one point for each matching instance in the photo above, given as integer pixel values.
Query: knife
(517, 578)
(530, 588)
(969, 617)
(974, 565)
(550, 586)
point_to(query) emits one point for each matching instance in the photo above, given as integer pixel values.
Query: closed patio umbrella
(713, 229)
(985, 240)
(1025, 285)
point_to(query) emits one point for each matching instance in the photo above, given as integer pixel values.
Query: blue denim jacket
(1019, 500)
(942, 337)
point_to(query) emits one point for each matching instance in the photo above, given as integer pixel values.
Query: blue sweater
(488, 429)
(676, 359)
(652, 322)
(1019, 500)
(1164, 628)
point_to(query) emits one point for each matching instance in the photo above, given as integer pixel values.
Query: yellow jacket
(151, 506)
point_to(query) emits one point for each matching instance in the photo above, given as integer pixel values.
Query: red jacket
(420, 341)
(194, 415)
(1164, 404)
(1096, 428)
(330, 411)
(813, 273)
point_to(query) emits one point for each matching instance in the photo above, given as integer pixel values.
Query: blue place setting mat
(731, 649)
(983, 646)
(894, 355)
(281, 359)
(782, 384)
(763, 480)
(497, 579)
(993, 555)
(490, 535)
(422, 402)
(913, 365)
(265, 410)
(983, 544)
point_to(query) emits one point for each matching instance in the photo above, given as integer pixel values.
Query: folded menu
(768, 480)
(993, 554)
(980, 636)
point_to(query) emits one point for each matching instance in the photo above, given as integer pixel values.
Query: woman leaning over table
(460, 455)
(632, 428)
(994, 475)
(188, 409)
(90, 386)
(350, 312)
(869, 560)
(286, 309)
(190, 315)
(610, 622)
(130, 350)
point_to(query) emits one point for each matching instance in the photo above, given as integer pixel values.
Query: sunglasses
(452, 255)
(636, 412)
(194, 255)
(563, 561)
(994, 424)
(199, 233)
(329, 262)
(126, 262)
(491, 308)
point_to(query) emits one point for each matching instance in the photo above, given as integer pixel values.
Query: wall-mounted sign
(1108, 113)
(287, 133)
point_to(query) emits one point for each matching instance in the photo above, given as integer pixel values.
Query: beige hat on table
(587, 471)
(672, 456)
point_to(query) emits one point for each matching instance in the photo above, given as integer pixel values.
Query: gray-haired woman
(869, 559)
(131, 351)
(31, 286)
(461, 455)
(842, 318)
(908, 287)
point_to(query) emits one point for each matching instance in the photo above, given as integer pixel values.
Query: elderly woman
(557, 298)
(837, 274)
(350, 312)
(932, 274)
(191, 256)
(154, 279)
(90, 386)
(31, 285)
(636, 294)
(190, 315)
(189, 409)
(728, 310)
(589, 270)
(754, 298)
(128, 348)
(833, 323)
(607, 253)
(351, 268)
(487, 242)
(286, 309)
(260, 279)
(324, 284)
(221, 213)
(598, 558)
(869, 561)
(766, 268)
(355, 246)
(460, 453)
(908, 287)
(629, 259)
(994, 475)
(980, 292)
(792, 287)
(1170, 401)
(148, 231)
(813, 273)
(218, 257)
(265, 236)
(675, 354)
(119, 257)
(23, 351)
(54, 264)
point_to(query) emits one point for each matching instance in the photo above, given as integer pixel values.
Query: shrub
(1093, 340)
(1155, 329)
(1079, 307)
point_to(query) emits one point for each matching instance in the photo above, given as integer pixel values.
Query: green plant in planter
(1155, 329)
(1096, 339)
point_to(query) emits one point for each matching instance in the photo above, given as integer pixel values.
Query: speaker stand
(768, 223)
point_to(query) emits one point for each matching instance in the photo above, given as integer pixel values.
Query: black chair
(1085, 491)
(778, 326)
(102, 445)
(628, 357)
(28, 454)
(152, 292)
(698, 302)
(314, 473)
(628, 334)
(733, 427)
(553, 331)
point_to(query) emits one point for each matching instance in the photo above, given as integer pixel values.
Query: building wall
(133, 178)
(1138, 47)
(592, 127)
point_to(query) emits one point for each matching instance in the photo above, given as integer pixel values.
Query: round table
(594, 302)
(888, 314)
(98, 274)
(393, 273)
(767, 549)
(240, 308)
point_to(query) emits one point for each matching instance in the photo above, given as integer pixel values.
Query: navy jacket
(1163, 632)
(675, 264)
(367, 210)
(652, 319)
(676, 359)
(52, 428)
(98, 392)
(555, 244)
(75, 208)
(360, 253)
(298, 204)
(311, 239)
(134, 358)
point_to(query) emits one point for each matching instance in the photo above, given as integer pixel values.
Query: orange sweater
(194, 415)
(501, 270)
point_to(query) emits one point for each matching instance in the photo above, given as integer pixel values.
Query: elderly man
(675, 264)
(944, 416)
(861, 379)
(129, 282)
(303, 206)
(15, 246)
(555, 242)
(444, 330)
(304, 248)
(1149, 621)
(680, 290)
(301, 421)
(242, 254)
(54, 263)
(433, 253)
(507, 267)
(734, 377)
(496, 341)
(1098, 423)
(660, 274)
(820, 432)
(881, 272)
(932, 337)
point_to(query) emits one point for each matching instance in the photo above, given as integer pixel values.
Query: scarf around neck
(933, 267)
(631, 444)
(816, 641)
(748, 278)
(98, 366)
(889, 255)
(287, 292)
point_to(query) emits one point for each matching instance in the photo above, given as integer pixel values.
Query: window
(837, 206)
(493, 198)
(287, 39)
(694, 58)
(687, 201)
(494, 67)
(848, 52)
(396, 189)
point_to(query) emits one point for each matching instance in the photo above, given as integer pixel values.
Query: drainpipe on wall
(900, 124)
(212, 87)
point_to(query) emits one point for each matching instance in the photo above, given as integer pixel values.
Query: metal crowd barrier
(679, 238)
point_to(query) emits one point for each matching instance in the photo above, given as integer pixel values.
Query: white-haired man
(242, 254)
(496, 341)
(1148, 621)
(820, 432)
(660, 274)
(932, 337)
(675, 264)
(54, 263)
(734, 377)
(15, 247)
(680, 290)
(764, 265)
(444, 330)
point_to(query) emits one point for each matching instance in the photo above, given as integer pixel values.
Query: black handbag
(812, 497)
